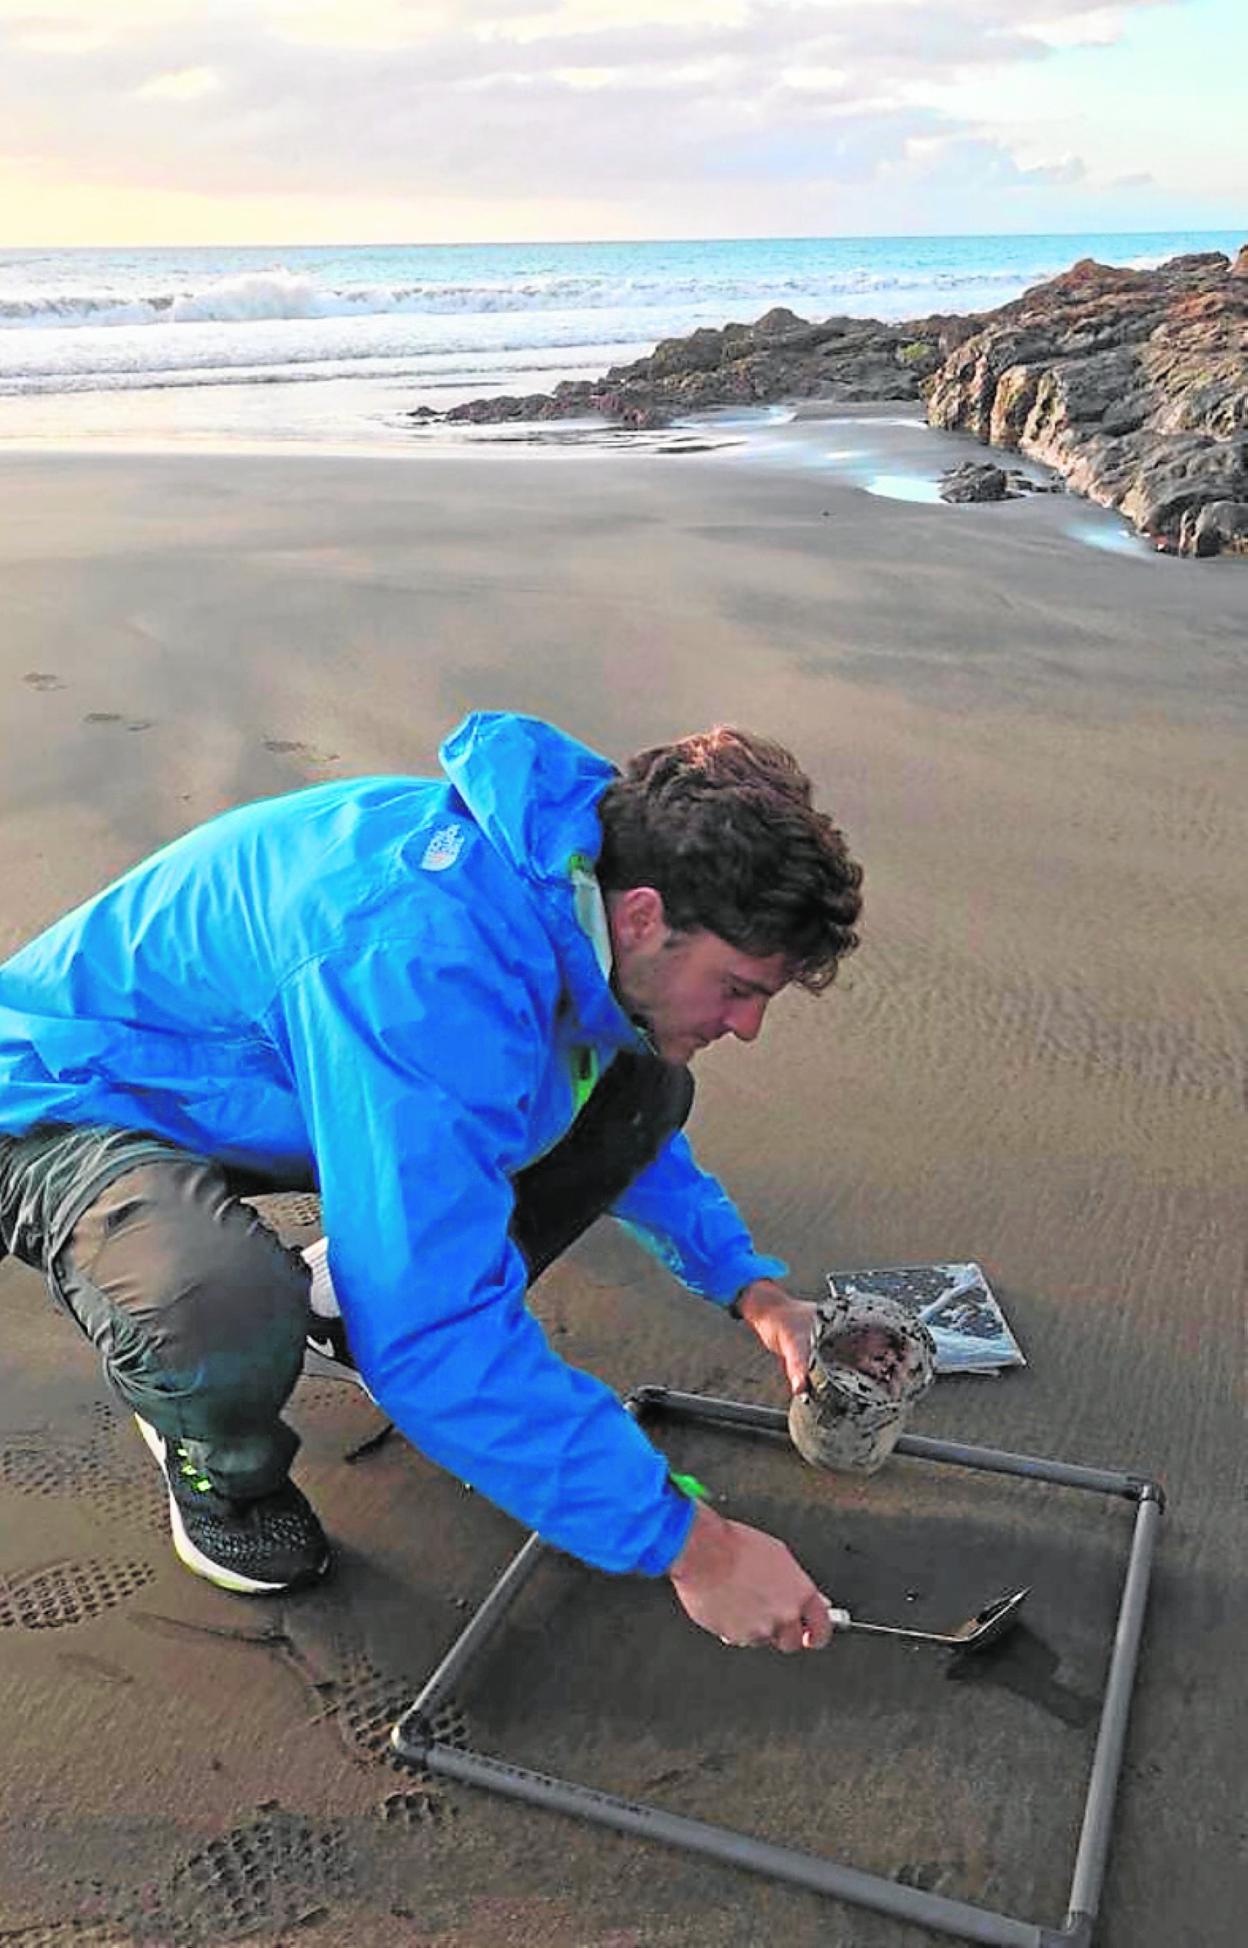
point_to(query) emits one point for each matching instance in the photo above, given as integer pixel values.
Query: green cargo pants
(197, 1309)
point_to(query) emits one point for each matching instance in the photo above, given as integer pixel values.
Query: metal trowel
(986, 1627)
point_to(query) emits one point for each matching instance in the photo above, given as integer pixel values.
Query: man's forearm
(756, 1299)
(747, 1588)
(779, 1322)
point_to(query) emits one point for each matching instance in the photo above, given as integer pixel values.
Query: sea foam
(440, 317)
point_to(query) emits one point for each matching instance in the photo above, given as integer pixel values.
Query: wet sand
(1036, 746)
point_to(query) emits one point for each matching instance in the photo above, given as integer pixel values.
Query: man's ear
(637, 918)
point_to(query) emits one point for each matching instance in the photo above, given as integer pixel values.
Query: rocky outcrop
(975, 480)
(982, 480)
(780, 357)
(1132, 384)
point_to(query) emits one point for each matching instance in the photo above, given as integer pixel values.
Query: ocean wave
(498, 367)
(46, 312)
(280, 295)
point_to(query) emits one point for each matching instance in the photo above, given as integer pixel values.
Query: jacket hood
(533, 791)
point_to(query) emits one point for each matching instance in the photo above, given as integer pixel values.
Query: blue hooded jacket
(389, 984)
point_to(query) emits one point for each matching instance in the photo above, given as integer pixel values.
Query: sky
(409, 121)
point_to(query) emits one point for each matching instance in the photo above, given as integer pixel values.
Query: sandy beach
(1036, 746)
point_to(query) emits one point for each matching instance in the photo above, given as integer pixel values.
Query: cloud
(1071, 169)
(53, 38)
(1093, 26)
(957, 167)
(185, 84)
(615, 99)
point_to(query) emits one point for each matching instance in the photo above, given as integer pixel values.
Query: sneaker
(255, 1548)
(328, 1340)
(327, 1336)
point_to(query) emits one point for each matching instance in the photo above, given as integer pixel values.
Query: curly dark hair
(723, 827)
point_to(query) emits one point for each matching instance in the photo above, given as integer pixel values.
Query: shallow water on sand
(904, 487)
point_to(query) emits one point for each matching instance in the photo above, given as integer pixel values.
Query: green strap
(586, 1069)
(591, 917)
(591, 912)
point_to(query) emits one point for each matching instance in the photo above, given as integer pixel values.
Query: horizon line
(581, 243)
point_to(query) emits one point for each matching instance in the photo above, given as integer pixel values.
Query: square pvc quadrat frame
(413, 1737)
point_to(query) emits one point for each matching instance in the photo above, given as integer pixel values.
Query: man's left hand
(782, 1324)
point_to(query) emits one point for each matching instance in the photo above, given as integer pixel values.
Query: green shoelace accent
(187, 1467)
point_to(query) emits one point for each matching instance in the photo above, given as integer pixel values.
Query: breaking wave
(280, 294)
(117, 320)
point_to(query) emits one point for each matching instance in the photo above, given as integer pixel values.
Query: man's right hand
(747, 1588)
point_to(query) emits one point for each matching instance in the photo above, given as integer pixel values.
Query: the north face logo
(443, 848)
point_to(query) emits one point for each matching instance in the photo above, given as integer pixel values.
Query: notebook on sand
(957, 1305)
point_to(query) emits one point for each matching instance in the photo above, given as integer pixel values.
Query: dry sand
(1035, 1060)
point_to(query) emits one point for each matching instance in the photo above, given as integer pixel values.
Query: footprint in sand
(102, 1468)
(68, 1592)
(115, 717)
(290, 747)
(359, 1698)
(274, 1873)
(288, 1209)
(43, 680)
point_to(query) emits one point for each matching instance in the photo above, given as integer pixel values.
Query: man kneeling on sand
(463, 1010)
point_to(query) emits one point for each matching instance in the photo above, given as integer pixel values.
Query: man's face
(689, 989)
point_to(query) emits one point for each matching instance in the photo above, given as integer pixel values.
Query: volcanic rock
(974, 480)
(1132, 384)
(781, 357)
